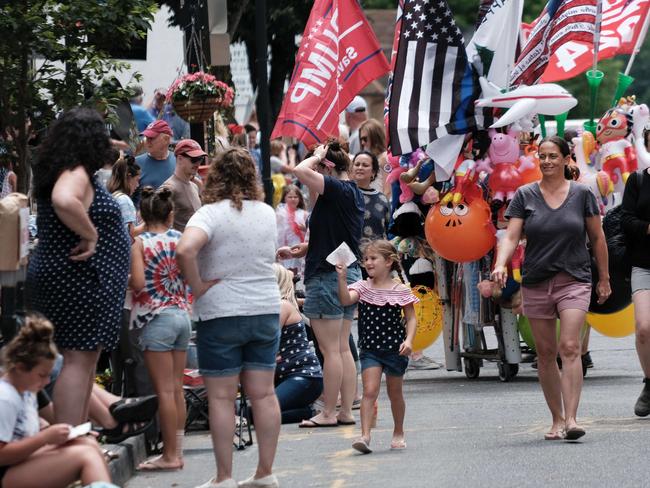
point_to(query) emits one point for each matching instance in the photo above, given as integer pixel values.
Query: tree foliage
(54, 55)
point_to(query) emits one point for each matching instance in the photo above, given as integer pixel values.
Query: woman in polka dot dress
(386, 329)
(77, 275)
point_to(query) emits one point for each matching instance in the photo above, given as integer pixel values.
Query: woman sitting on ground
(30, 456)
(298, 374)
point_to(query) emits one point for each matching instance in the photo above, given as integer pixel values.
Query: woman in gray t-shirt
(556, 215)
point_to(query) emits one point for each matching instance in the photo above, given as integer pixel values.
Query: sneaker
(269, 481)
(587, 363)
(423, 363)
(642, 406)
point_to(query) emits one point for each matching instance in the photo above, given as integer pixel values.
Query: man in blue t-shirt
(142, 117)
(158, 163)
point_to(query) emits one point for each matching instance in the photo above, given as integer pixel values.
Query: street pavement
(464, 433)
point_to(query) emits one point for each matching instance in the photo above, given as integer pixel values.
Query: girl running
(30, 456)
(160, 309)
(386, 329)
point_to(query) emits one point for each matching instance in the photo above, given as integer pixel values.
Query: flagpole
(639, 42)
(594, 76)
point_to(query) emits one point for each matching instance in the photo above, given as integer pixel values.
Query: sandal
(109, 455)
(156, 464)
(138, 409)
(557, 435)
(125, 430)
(396, 445)
(362, 446)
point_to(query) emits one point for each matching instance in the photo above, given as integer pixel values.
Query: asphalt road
(465, 433)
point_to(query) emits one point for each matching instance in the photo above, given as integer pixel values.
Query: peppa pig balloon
(504, 165)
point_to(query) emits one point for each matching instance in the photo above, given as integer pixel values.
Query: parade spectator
(291, 219)
(227, 253)
(372, 137)
(125, 178)
(142, 117)
(298, 374)
(556, 214)
(8, 180)
(30, 456)
(636, 224)
(160, 309)
(385, 341)
(355, 115)
(337, 217)
(365, 168)
(185, 192)
(180, 128)
(158, 163)
(78, 272)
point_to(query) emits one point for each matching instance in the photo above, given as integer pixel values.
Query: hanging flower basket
(197, 96)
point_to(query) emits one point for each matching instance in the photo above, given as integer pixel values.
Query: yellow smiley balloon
(428, 312)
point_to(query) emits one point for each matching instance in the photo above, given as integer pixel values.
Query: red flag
(561, 22)
(622, 23)
(339, 55)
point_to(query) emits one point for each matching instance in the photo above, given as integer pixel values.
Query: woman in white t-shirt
(30, 456)
(226, 255)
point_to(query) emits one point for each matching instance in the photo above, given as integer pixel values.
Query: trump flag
(338, 56)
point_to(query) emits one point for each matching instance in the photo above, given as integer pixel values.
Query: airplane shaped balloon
(524, 102)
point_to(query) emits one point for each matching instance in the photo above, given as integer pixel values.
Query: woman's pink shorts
(547, 299)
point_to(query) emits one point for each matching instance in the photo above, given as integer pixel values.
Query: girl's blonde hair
(285, 282)
(33, 343)
(386, 250)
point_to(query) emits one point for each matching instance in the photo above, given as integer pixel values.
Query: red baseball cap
(156, 128)
(190, 148)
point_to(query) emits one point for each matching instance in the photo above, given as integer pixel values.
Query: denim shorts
(390, 362)
(322, 295)
(228, 345)
(168, 331)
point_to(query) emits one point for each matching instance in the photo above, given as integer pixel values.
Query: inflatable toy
(640, 120)
(616, 152)
(617, 324)
(429, 316)
(502, 164)
(459, 227)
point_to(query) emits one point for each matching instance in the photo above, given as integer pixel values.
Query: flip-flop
(574, 433)
(362, 446)
(312, 424)
(558, 435)
(346, 422)
(397, 445)
(138, 409)
(152, 465)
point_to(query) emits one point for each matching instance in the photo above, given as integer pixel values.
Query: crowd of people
(144, 251)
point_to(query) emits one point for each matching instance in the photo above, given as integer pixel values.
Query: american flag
(433, 86)
(560, 22)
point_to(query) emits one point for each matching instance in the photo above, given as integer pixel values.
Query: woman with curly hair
(78, 272)
(226, 255)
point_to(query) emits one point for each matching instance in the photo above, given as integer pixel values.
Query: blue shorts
(322, 295)
(168, 331)
(390, 362)
(228, 345)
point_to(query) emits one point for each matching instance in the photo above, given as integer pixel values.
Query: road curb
(130, 453)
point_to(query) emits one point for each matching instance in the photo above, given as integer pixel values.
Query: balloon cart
(467, 317)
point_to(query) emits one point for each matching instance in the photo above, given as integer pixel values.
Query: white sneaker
(423, 363)
(229, 483)
(269, 481)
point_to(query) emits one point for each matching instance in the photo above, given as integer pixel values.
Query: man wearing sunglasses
(185, 192)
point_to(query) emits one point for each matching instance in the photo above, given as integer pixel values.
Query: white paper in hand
(342, 254)
(79, 430)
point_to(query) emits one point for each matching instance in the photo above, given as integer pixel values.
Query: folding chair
(243, 434)
(196, 399)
